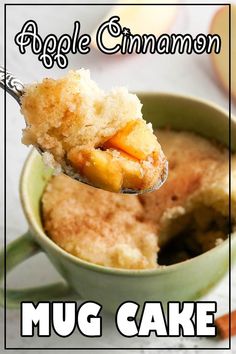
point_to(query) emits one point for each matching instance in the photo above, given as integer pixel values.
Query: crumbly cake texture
(125, 231)
(73, 121)
(197, 184)
(98, 226)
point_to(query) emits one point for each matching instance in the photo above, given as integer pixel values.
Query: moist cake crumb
(98, 226)
(76, 122)
(186, 217)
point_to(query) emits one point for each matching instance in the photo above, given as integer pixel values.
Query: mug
(185, 281)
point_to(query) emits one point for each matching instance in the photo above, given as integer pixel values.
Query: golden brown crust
(98, 226)
(198, 178)
(196, 166)
(120, 230)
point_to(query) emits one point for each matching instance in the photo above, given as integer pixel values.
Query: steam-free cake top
(130, 232)
(98, 135)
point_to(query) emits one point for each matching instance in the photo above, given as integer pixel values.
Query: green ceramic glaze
(110, 287)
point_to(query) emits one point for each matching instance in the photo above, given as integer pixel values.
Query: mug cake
(188, 216)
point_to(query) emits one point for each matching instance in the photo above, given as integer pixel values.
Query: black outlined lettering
(114, 29)
(135, 44)
(49, 47)
(187, 319)
(181, 43)
(180, 319)
(200, 43)
(29, 34)
(35, 316)
(204, 321)
(83, 44)
(149, 41)
(125, 319)
(152, 320)
(163, 44)
(88, 321)
(213, 41)
(63, 318)
(53, 50)
(63, 47)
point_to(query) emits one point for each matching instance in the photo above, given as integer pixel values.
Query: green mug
(110, 287)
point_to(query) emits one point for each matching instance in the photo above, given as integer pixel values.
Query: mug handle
(18, 251)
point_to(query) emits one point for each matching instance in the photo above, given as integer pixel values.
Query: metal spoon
(15, 88)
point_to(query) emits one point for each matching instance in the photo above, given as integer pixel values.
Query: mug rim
(162, 269)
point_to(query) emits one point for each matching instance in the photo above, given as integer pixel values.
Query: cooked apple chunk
(95, 136)
(98, 167)
(136, 139)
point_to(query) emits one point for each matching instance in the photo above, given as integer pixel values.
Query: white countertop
(184, 74)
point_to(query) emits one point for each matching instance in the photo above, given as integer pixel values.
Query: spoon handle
(12, 85)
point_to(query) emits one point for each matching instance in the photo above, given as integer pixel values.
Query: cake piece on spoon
(97, 137)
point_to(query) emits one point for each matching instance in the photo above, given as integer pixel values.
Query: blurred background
(184, 74)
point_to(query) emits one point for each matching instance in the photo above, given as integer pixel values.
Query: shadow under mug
(110, 287)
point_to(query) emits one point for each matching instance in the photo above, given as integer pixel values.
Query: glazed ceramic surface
(108, 286)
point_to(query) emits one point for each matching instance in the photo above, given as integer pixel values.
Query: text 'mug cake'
(98, 135)
(186, 217)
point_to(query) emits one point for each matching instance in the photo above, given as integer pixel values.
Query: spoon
(15, 88)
